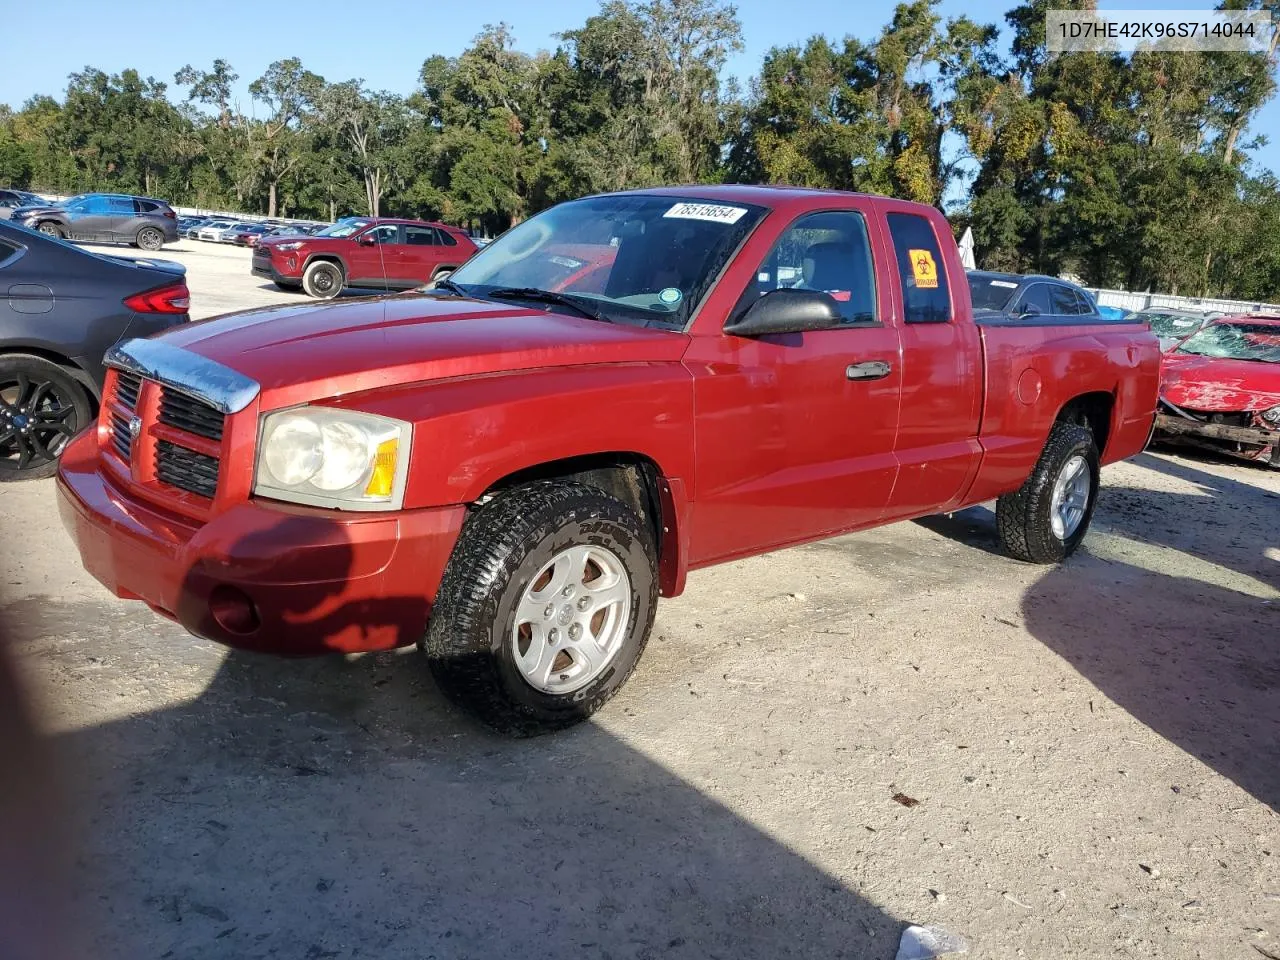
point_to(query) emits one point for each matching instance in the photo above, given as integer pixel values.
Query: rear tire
(41, 408)
(545, 607)
(322, 280)
(1045, 521)
(50, 229)
(149, 238)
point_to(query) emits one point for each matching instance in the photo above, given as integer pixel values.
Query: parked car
(11, 200)
(1172, 325)
(1221, 388)
(247, 234)
(192, 228)
(217, 231)
(65, 307)
(1112, 313)
(612, 393)
(1012, 296)
(105, 218)
(363, 252)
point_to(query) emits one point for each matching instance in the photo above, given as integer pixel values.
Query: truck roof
(772, 196)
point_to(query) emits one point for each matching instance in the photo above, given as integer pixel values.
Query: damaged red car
(1220, 389)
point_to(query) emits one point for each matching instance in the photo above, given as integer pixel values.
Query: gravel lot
(1095, 752)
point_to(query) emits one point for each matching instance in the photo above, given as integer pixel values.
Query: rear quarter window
(921, 269)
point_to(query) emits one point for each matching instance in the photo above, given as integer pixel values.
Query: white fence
(1143, 301)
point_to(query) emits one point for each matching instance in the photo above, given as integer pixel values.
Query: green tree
(277, 143)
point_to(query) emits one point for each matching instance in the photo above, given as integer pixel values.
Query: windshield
(991, 293)
(632, 258)
(343, 228)
(1236, 341)
(1172, 324)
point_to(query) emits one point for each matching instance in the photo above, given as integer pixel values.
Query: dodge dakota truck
(508, 469)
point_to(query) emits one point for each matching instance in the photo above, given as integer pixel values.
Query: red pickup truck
(362, 252)
(510, 468)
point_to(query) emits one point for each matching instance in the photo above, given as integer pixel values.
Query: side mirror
(787, 311)
(1030, 310)
(367, 240)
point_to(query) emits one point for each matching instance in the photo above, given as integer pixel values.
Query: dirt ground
(1094, 748)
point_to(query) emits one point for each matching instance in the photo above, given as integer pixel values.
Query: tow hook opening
(233, 610)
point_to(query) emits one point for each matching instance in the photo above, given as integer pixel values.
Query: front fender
(471, 432)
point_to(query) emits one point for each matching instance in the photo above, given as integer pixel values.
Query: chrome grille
(127, 387)
(189, 414)
(186, 469)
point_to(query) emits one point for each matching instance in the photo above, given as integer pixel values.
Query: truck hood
(1219, 386)
(311, 352)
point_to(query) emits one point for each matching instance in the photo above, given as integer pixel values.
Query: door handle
(868, 370)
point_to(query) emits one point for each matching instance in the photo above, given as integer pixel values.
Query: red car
(363, 252)
(510, 468)
(1221, 389)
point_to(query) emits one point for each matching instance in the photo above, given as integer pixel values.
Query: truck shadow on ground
(1186, 637)
(331, 808)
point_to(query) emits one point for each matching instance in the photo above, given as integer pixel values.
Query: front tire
(149, 238)
(545, 607)
(41, 408)
(50, 229)
(1045, 521)
(322, 280)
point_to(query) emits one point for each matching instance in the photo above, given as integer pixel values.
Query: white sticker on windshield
(1184, 323)
(569, 262)
(1004, 283)
(716, 212)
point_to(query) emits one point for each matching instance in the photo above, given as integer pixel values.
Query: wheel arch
(1094, 410)
(78, 372)
(635, 479)
(330, 258)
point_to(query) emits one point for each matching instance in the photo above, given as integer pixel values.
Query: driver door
(795, 432)
(370, 264)
(86, 218)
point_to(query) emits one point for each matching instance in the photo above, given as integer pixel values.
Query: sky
(388, 47)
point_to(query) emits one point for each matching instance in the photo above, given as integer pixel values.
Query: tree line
(1129, 171)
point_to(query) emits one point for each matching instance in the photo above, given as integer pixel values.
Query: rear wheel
(149, 238)
(1045, 521)
(545, 607)
(50, 229)
(322, 280)
(41, 408)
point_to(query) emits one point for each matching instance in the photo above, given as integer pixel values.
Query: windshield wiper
(546, 296)
(452, 287)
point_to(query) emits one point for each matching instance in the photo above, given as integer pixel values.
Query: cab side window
(925, 295)
(387, 233)
(1035, 302)
(826, 251)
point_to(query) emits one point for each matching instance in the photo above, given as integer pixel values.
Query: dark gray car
(1013, 296)
(11, 200)
(105, 218)
(61, 309)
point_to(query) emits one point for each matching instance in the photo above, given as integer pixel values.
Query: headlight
(333, 458)
(289, 246)
(1272, 415)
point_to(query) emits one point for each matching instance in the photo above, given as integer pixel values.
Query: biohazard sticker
(924, 269)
